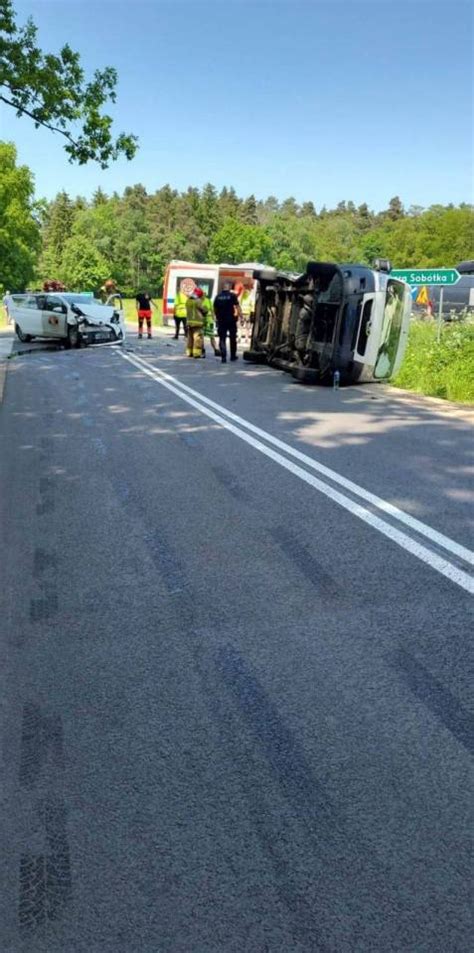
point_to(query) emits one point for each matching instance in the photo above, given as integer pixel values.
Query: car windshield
(80, 298)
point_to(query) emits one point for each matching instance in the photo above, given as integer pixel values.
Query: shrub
(444, 369)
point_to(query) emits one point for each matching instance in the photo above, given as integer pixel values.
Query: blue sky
(324, 101)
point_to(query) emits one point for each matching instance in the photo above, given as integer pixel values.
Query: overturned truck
(346, 318)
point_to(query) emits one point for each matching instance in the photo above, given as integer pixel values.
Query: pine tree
(308, 210)
(99, 197)
(248, 214)
(395, 208)
(58, 229)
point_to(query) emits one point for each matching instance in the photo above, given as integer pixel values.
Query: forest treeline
(131, 237)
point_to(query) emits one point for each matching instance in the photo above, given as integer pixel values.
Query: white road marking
(428, 556)
(422, 528)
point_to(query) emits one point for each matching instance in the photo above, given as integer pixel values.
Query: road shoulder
(6, 344)
(435, 404)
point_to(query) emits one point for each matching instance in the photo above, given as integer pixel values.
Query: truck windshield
(391, 329)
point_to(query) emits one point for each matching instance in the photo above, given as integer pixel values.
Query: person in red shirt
(144, 305)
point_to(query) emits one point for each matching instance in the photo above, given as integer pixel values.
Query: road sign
(427, 276)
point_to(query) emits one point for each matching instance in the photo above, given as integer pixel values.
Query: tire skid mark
(41, 743)
(165, 560)
(171, 570)
(307, 563)
(42, 561)
(45, 883)
(46, 606)
(273, 831)
(281, 747)
(323, 824)
(45, 563)
(436, 697)
(227, 478)
(45, 879)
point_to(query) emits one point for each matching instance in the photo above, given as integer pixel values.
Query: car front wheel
(73, 336)
(24, 338)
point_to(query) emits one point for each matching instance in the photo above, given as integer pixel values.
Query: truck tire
(255, 357)
(305, 375)
(24, 338)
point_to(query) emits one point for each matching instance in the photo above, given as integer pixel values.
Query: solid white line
(447, 569)
(462, 552)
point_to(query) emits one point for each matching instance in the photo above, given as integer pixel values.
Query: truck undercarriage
(297, 320)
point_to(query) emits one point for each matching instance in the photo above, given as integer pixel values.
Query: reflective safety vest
(246, 303)
(180, 305)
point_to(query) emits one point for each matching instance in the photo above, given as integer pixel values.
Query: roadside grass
(439, 370)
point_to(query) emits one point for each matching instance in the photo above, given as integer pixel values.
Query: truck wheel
(305, 375)
(73, 337)
(24, 338)
(255, 357)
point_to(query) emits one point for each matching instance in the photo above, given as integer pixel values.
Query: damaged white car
(74, 319)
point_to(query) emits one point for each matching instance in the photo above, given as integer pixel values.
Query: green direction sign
(427, 276)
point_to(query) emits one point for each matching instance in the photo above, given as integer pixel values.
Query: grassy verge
(439, 370)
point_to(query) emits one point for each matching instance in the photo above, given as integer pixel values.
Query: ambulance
(185, 276)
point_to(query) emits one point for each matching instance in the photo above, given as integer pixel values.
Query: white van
(77, 319)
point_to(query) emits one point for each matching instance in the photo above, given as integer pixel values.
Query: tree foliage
(237, 241)
(19, 221)
(51, 89)
(135, 235)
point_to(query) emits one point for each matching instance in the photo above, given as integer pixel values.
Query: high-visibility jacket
(246, 303)
(196, 312)
(180, 305)
(209, 326)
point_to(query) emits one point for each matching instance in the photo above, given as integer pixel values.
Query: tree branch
(39, 122)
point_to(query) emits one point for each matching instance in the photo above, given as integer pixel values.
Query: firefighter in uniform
(195, 318)
(180, 313)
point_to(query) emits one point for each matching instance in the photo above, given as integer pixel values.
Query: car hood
(97, 313)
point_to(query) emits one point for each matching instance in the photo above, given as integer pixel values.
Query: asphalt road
(234, 707)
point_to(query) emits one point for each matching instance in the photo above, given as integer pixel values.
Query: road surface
(235, 661)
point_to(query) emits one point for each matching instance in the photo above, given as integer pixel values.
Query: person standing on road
(196, 312)
(144, 305)
(180, 313)
(227, 312)
(246, 306)
(209, 327)
(6, 305)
